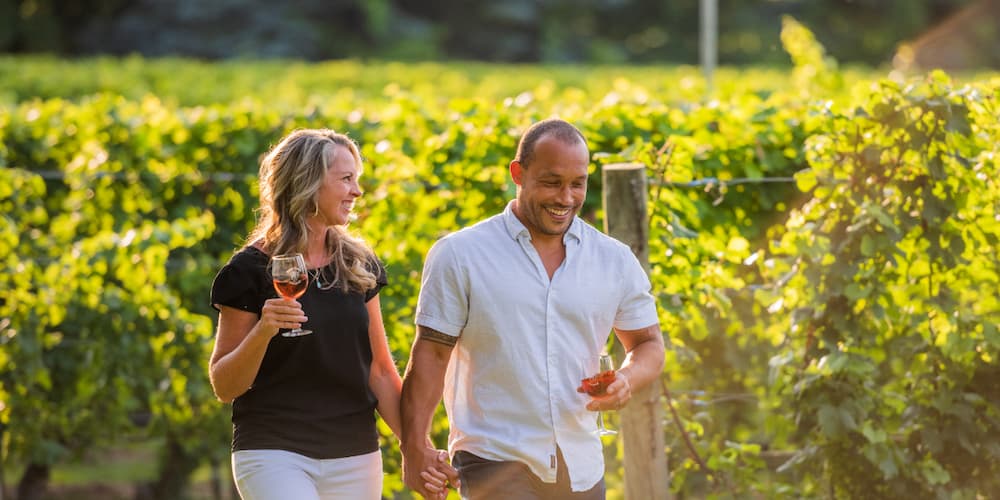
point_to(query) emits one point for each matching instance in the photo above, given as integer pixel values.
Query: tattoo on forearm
(424, 333)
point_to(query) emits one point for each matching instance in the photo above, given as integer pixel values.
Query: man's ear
(515, 171)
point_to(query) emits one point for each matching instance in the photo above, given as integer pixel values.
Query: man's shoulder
(476, 233)
(590, 235)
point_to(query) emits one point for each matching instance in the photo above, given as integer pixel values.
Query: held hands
(436, 480)
(428, 472)
(281, 313)
(616, 396)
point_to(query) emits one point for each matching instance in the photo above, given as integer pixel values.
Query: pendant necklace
(318, 276)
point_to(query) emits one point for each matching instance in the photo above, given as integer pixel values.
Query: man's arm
(423, 384)
(643, 363)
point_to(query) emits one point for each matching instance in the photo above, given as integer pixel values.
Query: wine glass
(597, 385)
(607, 376)
(290, 280)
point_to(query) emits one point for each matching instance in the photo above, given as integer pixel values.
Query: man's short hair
(559, 129)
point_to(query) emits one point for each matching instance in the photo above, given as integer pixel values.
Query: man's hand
(425, 469)
(643, 363)
(616, 396)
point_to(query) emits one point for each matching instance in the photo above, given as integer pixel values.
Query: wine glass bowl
(597, 386)
(290, 277)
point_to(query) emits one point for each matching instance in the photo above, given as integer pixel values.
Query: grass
(112, 474)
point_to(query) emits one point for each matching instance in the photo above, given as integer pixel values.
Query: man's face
(553, 186)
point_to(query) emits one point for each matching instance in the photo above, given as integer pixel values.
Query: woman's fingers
(436, 475)
(432, 482)
(281, 313)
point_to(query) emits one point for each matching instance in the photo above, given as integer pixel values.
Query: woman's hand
(281, 313)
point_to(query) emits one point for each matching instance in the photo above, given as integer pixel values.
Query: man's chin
(554, 230)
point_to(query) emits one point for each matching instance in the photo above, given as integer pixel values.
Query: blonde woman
(304, 406)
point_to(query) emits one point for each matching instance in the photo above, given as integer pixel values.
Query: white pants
(281, 475)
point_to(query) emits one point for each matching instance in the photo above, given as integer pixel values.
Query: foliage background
(554, 31)
(832, 334)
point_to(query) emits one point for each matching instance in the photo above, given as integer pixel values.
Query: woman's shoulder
(250, 254)
(243, 282)
(248, 259)
(376, 266)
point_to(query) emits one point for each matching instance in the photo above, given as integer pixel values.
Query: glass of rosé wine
(290, 280)
(597, 386)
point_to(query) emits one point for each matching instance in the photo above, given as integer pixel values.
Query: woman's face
(339, 189)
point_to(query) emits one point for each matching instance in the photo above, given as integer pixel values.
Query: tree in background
(610, 31)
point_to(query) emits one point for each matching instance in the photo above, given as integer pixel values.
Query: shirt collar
(515, 228)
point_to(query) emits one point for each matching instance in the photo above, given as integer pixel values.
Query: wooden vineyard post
(643, 442)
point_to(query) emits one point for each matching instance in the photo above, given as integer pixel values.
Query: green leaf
(830, 421)
(867, 245)
(874, 436)
(805, 180)
(932, 471)
(857, 291)
(991, 334)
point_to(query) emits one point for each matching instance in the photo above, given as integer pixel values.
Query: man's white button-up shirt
(525, 341)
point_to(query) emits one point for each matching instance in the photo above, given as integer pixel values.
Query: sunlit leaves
(899, 207)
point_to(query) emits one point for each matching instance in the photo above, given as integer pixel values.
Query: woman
(303, 407)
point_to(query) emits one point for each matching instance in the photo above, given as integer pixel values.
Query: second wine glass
(597, 385)
(291, 277)
(607, 375)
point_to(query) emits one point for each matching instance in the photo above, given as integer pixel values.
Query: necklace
(318, 276)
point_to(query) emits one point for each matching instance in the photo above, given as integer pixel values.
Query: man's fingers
(451, 475)
(619, 394)
(445, 468)
(608, 403)
(620, 386)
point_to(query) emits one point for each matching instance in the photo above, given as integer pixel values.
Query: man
(513, 312)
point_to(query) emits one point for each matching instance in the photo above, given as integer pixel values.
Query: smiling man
(513, 312)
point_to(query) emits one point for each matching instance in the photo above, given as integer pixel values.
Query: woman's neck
(316, 254)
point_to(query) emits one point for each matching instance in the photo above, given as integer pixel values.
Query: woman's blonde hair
(290, 177)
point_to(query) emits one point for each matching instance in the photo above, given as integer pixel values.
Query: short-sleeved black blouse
(311, 394)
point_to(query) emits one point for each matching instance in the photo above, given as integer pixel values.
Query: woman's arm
(384, 379)
(241, 342)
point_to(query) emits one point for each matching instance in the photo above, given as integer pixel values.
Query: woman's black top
(311, 394)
